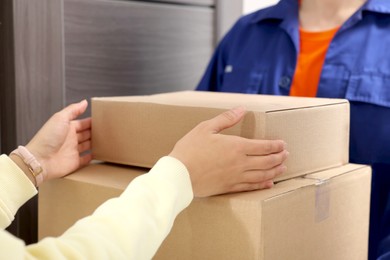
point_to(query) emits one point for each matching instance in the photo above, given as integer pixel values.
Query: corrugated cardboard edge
(100, 174)
(314, 179)
(149, 100)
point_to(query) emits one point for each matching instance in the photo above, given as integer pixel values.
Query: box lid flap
(106, 174)
(259, 103)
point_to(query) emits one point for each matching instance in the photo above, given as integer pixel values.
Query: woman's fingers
(82, 124)
(83, 136)
(73, 111)
(85, 159)
(252, 186)
(225, 120)
(257, 176)
(264, 162)
(84, 146)
(263, 147)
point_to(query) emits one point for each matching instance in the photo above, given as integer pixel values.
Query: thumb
(226, 119)
(75, 110)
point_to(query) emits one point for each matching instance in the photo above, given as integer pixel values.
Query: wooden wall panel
(32, 82)
(131, 48)
(7, 78)
(38, 63)
(188, 2)
(209, 3)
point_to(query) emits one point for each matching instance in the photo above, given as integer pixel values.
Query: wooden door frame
(31, 85)
(7, 78)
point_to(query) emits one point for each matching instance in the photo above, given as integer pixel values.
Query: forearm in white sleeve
(15, 190)
(132, 226)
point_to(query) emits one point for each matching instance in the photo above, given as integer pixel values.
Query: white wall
(231, 10)
(253, 5)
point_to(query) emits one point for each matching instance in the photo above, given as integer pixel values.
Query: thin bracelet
(31, 162)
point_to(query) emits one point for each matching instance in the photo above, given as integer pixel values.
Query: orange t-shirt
(313, 48)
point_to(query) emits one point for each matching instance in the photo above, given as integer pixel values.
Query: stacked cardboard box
(318, 210)
(145, 128)
(322, 216)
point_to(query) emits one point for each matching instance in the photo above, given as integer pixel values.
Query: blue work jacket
(259, 55)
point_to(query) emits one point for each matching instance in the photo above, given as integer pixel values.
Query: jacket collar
(377, 6)
(280, 11)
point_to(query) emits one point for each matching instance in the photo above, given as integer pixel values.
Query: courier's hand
(220, 163)
(59, 143)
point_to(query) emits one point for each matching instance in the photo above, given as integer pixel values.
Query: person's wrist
(39, 156)
(22, 166)
(31, 165)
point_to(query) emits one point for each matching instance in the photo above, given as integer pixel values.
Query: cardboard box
(320, 216)
(64, 201)
(141, 129)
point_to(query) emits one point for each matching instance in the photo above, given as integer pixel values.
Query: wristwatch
(31, 162)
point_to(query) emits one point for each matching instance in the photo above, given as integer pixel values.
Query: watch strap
(31, 162)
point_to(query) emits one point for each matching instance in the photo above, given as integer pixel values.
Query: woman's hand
(62, 145)
(220, 163)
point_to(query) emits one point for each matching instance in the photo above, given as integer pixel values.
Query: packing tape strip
(322, 200)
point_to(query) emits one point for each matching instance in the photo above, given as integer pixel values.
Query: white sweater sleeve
(15, 190)
(131, 226)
